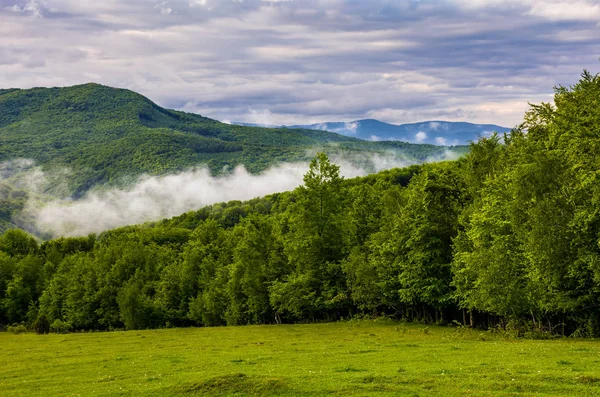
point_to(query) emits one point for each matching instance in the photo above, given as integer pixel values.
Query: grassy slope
(353, 358)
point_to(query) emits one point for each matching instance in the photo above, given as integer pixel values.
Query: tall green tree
(315, 241)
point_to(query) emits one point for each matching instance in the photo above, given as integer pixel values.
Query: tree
(428, 223)
(257, 262)
(17, 242)
(206, 260)
(319, 211)
(315, 242)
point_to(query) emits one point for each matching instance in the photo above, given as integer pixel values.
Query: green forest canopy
(507, 235)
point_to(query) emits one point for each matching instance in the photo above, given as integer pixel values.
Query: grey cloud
(34, 63)
(313, 60)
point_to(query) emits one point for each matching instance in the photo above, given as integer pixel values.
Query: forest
(505, 237)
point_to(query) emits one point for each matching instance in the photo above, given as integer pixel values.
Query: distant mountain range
(444, 133)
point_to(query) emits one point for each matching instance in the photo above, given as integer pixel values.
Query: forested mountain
(92, 135)
(103, 135)
(431, 132)
(506, 236)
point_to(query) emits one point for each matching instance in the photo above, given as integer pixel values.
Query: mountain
(430, 132)
(92, 135)
(104, 135)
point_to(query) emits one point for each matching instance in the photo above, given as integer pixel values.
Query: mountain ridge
(435, 132)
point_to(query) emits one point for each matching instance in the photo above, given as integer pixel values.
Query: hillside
(107, 135)
(91, 135)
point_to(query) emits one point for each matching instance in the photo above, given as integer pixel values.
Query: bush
(41, 325)
(60, 327)
(17, 328)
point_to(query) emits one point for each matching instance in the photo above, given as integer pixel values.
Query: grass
(358, 358)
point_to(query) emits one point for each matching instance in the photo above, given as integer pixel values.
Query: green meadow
(358, 358)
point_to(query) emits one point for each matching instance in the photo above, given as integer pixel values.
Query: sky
(309, 61)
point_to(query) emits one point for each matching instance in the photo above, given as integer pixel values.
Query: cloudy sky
(305, 61)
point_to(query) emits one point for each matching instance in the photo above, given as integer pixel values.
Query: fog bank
(153, 198)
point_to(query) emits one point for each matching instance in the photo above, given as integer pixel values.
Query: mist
(153, 198)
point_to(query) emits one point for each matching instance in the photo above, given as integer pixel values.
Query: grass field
(349, 358)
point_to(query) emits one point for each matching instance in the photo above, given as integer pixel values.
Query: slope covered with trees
(508, 235)
(96, 136)
(103, 135)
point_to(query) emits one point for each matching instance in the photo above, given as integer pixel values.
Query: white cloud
(262, 117)
(420, 136)
(166, 11)
(553, 10)
(31, 7)
(155, 198)
(202, 3)
(352, 127)
(566, 10)
(440, 140)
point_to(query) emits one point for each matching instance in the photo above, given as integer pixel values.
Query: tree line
(506, 236)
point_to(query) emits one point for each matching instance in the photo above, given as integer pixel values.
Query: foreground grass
(351, 358)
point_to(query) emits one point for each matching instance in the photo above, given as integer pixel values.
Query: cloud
(262, 117)
(309, 61)
(30, 7)
(552, 10)
(155, 198)
(420, 136)
(164, 8)
(448, 155)
(351, 127)
(566, 11)
(441, 141)
(434, 125)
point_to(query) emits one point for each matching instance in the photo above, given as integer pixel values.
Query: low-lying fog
(153, 198)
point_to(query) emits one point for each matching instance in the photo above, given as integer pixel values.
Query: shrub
(17, 328)
(60, 327)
